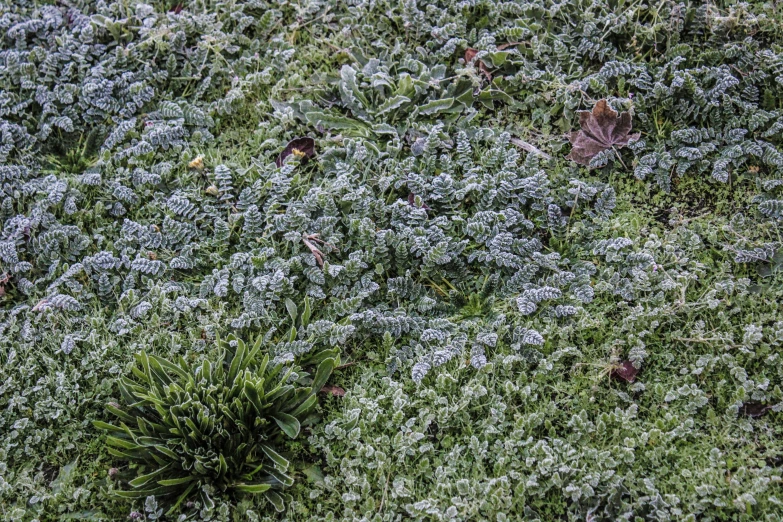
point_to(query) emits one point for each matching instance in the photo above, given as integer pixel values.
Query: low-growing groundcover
(540, 313)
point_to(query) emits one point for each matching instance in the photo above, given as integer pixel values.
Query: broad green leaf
(336, 122)
(496, 59)
(140, 493)
(255, 470)
(280, 462)
(252, 488)
(384, 128)
(170, 367)
(128, 455)
(253, 396)
(351, 424)
(281, 477)
(405, 86)
(322, 374)
(435, 107)
(144, 479)
(291, 307)
(206, 370)
(306, 405)
(176, 481)
(64, 476)
(105, 426)
(180, 499)
(276, 500)
(313, 473)
(280, 393)
(307, 312)
(392, 103)
(121, 443)
(288, 423)
(254, 352)
(120, 414)
(236, 364)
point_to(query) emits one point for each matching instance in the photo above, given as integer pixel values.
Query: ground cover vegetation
(379, 260)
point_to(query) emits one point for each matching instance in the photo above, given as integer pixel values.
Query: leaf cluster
(213, 427)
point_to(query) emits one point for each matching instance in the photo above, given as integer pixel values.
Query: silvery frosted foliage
(701, 82)
(482, 288)
(550, 452)
(85, 133)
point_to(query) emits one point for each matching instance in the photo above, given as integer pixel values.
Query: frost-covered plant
(212, 427)
(387, 99)
(141, 208)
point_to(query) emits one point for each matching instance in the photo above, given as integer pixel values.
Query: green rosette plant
(216, 426)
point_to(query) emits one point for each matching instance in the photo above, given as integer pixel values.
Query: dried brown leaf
(303, 148)
(626, 371)
(470, 55)
(197, 163)
(509, 44)
(601, 129)
(336, 391)
(310, 241)
(754, 409)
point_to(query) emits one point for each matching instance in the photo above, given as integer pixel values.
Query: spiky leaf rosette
(216, 426)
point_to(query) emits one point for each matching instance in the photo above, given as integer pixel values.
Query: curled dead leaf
(196, 163)
(302, 148)
(625, 371)
(470, 55)
(601, 129)
(335, 391)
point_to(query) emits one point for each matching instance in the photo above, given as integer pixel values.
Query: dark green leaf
(288, 423)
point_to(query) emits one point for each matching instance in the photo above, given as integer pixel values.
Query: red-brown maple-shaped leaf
(626, 371)
(601, 130)
(303, 148)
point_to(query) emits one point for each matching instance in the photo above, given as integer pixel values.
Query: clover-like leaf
(302, 148)
(601, 129)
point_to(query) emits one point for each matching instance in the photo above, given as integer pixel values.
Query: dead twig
(347, 365)
(310, 241)
(530, 148)
(5, 278)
